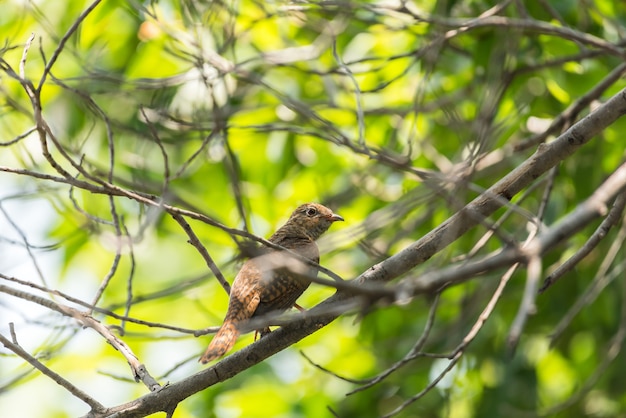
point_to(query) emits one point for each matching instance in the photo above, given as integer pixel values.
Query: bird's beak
(334, 217)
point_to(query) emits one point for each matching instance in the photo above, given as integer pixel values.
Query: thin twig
(18, 138)
(24, 55)
(598, 235)
(27, 245)
(357, 96)
(527, 307)
(129, 280)
(63, 41)
(600, 281)
(427, 389)
(112, 270)
(193, 240)
(411, 355)
(234, 172)
(13, 334)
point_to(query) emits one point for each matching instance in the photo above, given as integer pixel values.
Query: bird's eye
(311, 211)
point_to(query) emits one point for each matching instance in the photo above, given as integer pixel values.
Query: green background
(283, 123)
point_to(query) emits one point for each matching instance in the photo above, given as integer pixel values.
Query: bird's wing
(245, 293)
(284, 278)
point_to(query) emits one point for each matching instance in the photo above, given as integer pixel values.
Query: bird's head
(313, 219)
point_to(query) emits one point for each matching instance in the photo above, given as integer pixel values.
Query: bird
(272, 281)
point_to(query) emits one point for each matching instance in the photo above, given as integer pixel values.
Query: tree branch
(139, 371)
(95, 405)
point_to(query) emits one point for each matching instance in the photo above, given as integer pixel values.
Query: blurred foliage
(243, 110)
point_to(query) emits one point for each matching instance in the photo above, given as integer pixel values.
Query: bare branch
(527, 306)
(139, 370)
(602, 279)
(599, 234)
(24, 55)
(95, 405)
(193, 240)
(57, 52)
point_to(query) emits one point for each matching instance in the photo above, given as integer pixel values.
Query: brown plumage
(272, 282)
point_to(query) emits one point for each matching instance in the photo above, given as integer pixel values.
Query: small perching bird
(273, 281)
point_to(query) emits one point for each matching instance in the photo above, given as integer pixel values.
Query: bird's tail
(222, 342)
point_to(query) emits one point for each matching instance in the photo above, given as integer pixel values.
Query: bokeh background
(395, 114)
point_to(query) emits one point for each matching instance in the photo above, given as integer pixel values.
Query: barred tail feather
(221, 343)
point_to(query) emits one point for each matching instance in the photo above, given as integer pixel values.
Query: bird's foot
(263, 332)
